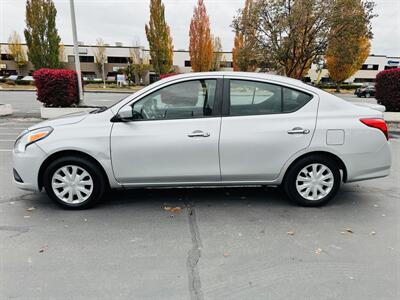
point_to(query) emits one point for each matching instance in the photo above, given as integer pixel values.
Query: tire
(81, 191)
(324, 186)
(367, 95)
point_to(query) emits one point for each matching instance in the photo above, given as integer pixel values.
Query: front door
(264, 124)
(174, 138)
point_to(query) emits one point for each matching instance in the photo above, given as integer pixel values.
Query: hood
(377, 107)
(63, 120)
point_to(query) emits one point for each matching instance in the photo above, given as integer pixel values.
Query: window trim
(226, 104)
(216, 112)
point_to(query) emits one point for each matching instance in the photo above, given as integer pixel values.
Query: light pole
(76, 50)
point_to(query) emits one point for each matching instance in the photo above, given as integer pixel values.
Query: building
(371, 67)
(118, 57)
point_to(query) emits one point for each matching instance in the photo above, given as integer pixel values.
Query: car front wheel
(74, 182)
(312, 181)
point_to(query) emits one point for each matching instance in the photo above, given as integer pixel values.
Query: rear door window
(259, 98)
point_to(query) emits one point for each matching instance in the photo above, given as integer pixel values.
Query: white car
(207, 129)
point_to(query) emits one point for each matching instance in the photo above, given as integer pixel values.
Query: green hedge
(18, 82)
(23, 82)
(99, 82)
(342, 86)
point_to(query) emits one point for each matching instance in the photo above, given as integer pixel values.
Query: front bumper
(27, 165)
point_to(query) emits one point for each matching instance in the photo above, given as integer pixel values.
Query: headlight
(31, 137)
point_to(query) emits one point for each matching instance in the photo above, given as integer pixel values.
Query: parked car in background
(201, 129)
(27, 78)
(14, 77)
(365, 91)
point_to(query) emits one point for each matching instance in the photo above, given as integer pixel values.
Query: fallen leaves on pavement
(290, 232)
(226, 254)
(173, 209)
(43, 248)
(30, 209)
(318, 251)
(348, 230)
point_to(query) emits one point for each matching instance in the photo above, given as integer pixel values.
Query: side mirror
(124, 115)
(127, 114)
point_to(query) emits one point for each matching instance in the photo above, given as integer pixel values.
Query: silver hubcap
(72, 184)
(314, 182)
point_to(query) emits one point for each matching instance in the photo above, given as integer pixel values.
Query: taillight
(378, 124)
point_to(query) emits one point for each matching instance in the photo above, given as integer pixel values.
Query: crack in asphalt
(19, 198)
(19, 229)
(194, 255)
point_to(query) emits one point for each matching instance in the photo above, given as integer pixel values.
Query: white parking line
(5, 150)
(7, 140)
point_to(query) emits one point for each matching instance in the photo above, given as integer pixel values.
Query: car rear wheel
(312, 181)
(367, 95)
(74, 182)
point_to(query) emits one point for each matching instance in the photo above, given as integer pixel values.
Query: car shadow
(262, 197)
(216, 196)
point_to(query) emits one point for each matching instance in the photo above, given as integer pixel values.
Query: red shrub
(56, 88)
(388, 89)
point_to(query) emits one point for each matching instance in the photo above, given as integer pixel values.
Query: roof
(254, 75)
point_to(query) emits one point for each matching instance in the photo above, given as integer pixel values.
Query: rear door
(263, 125)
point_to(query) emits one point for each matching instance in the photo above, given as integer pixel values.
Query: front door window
(190, 99)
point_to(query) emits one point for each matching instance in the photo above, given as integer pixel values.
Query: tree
(139, 64)
(348, 49)
(100, 58)
(244, 52)
(159, 38)
(41, 34)
(217, 53)
(201, 45)
(16, 51)
(291, 34)
(61, 55)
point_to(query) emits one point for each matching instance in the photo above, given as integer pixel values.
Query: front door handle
(298, 130)
(198, 133)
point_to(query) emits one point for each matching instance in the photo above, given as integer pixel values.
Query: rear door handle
(198, 133)
(298, 130)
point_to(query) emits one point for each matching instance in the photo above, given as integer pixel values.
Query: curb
(5, 109)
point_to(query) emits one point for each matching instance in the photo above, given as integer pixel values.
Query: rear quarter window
(293, 100)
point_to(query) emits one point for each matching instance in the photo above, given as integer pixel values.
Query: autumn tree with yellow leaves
(16, 51)
(244, 52)
(200, 40)
(159, 38)
(349, 42)
(290, 35)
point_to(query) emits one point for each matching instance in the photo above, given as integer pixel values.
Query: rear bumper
(363, 166)
(26, 166)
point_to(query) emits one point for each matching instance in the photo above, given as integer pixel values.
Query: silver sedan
(207, 129)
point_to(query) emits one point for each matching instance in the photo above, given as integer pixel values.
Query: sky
(124, 21)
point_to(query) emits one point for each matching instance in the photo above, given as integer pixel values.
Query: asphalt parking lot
(231, 243)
